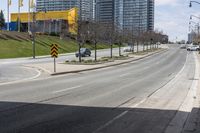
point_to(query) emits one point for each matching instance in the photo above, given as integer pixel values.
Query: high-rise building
(191, 36)
(55, 5)
(135, 14)
(127, 14)
(105, 11)
(150, 15)
(87, 11)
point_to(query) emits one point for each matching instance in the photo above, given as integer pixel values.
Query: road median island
(75, 67)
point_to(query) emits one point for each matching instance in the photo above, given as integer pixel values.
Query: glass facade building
(105, 11)
(55, 5)
(87, 11)
(137, 15)
(151, 15)
(127, 14)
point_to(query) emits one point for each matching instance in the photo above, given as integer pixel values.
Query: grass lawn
(15, 46)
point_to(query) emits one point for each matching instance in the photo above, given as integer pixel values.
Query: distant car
(183, 46)
(128, 49)
(83, 52)
(193, 48)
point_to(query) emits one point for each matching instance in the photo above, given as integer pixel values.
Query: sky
(171, 16)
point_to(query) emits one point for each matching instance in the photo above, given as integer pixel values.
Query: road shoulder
(192, 124)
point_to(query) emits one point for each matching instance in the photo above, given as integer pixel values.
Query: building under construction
(46, 22)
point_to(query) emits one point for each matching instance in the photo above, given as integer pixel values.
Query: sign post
(54, 54)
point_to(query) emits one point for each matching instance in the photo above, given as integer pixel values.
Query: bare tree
(119, 38)
(129, 37)
(108, 35)
(94, 32)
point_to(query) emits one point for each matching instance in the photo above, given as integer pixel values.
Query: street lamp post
(34, 26)
(192, 1)
(44, 26)
(194, 16)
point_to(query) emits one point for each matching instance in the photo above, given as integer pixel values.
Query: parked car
(83, 52)
(128, 49)
(193, 48)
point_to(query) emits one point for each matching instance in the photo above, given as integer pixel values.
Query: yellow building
(69, 16)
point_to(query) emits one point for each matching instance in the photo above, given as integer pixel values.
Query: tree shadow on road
(16, 117)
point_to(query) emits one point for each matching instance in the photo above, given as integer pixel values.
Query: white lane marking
(111, 121)
(38, 67)
(123, 75)
(134, 106)
(175, 78)
(27, 79)
(137, 104)
(34, 77)
(118, 117)
(67, 89)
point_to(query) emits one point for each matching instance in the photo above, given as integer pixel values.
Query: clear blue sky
(171, 16)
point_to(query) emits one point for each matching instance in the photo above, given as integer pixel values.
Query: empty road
(138, 97)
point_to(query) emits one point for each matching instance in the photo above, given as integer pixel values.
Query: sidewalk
(192, 124)
(63, 68)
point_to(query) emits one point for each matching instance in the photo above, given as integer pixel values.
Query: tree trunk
(119, 49)
(147, 47)
(150, 46)
(111, 50)
(133, 48)
(143, 47)
(79, 51)
(95, 51)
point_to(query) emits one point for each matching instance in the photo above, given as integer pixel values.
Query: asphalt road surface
(139, 97)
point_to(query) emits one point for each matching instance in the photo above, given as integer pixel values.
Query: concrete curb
(121, 63)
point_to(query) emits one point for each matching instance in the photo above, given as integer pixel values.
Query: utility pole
(8, 8)
(133, 41)
(29, 11)
(44, 25)
(33, 33)
(19, 16)
(79, 30)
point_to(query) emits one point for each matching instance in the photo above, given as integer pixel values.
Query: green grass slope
(14, 44)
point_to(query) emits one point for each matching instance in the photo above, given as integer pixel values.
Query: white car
(193, 48)
(128, 49)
